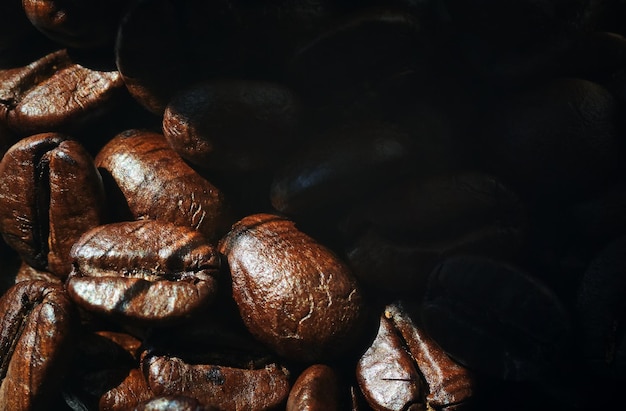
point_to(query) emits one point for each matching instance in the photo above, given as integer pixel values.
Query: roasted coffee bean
(172, 402)
(232, 125)
(293, 293)
(55, 195)
(393, 241)
(55, 93)
(226, 388)
(348, 163)
(602, 311)
(130, 393)
(145, 271)
(153, 44)
(317, 388)
(405, 369)
(36, 326)
(76, 24)
(156, 183)
(495, 318)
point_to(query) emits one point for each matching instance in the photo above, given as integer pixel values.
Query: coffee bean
(130, 393)
(405, 369)
(84, 24)
(232, 125)
(293, 293)
(36, 323)
(51, 201)
(155, 183)
(55, 93)
(146, 271)
(317, 388)
(213, 385)
(345, 164)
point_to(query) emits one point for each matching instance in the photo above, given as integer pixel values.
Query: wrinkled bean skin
(51, 202)
(293, 293)
(157, 184)
(226, 388)
(147, 271)
(82, 24)
(316, 389)
(405, 369)
(55, 93)
(232, 125)
(36, 326)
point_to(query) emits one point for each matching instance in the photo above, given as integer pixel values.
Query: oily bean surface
(155, 183)
(36, 326)
(55, 93)
(143, 270)
(293, 293)
(55, 197)
(317, 388)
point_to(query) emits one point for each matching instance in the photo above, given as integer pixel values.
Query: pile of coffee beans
(312, 204)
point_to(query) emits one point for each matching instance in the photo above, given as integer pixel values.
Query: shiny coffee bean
(232, 125)
(213, 385)
(601, 309)
(317, 388)
(293, 293)
(154, 43)
(85, 24)
(145, 271)
(155, 183)
(36, 326)
(405, 369)
(50, 194)
(394, 240)
(495, 318)
(55, 93)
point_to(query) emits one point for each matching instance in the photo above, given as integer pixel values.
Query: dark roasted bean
(146, 271)
(293, 293)
(156, 183)
(317, 388)
(36, 325)
(55, 197)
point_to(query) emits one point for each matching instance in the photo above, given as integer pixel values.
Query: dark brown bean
(51, 201)
(317, 388)
(172, 402)
(405, 369)
(55, 93)
(226, 388)
(130, 393)
(232, 125)
(146, 271)
(293, 293)
(156, 183)
(76, 24)
(36, 325)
